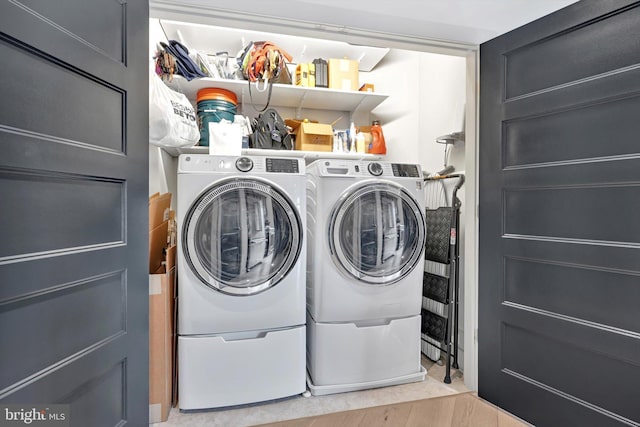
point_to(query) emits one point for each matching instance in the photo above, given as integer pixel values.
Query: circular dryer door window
(377, 233)
(242, 236)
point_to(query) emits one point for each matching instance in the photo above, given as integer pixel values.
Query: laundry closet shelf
(283, 95)
(309, 156)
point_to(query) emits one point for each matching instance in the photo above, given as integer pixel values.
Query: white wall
(399, 113)
(442, 101)
(426, 100)
(443, 98)
(162, 173)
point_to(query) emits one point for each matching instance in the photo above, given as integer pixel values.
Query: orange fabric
(261, 61)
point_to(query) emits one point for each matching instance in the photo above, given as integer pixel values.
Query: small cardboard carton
(159, 206)
(162, 340)
(162, 294)
(157, 246)
(314, 137)
(366, 87)
(160, 218)
(343, 74)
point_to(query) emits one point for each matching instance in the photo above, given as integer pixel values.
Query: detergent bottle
(377, 145)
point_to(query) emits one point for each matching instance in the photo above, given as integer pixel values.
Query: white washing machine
(365, 259)
(241, 279)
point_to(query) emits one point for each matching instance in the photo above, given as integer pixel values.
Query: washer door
(377, 233)
(242, 236)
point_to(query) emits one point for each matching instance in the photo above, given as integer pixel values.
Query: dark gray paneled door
(74, 207)
(559, 297)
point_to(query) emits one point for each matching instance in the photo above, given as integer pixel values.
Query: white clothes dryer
(366, 227)
(241, 279)
(366, 235)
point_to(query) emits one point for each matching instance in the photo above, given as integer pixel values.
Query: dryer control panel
(405, 170)
(370, 169)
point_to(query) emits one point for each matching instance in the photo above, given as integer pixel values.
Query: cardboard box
(160, 218)
(314, 137)
(159, 207)
(368, 138)
(366, 87)
(162, 294)
(157, 245)
(343, 74)
(162, 340)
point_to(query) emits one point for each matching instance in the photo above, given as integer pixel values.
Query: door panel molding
(559, 254)
(74, 298)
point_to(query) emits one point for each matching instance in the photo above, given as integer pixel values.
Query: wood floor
(458, 410)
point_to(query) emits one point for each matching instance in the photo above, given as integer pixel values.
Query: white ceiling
(462, 21)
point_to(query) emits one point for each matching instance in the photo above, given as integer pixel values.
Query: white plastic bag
(172, 119)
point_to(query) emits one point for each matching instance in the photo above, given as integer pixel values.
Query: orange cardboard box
(314, 137)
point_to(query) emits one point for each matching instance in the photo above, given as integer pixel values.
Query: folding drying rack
(440, 286)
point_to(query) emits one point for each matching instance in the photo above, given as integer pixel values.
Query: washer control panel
(254, 164)
(282, 165)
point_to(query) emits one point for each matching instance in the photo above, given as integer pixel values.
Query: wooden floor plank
(386, 416)
(470, 411)
(459, 410)
(339, 419)
(432, 412)
(506, 420)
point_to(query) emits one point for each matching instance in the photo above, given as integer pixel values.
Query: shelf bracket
(299, 109)
(357, 107)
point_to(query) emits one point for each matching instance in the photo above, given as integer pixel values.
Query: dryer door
(242, 236)
(377, 233)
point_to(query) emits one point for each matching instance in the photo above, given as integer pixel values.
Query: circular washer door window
(242, 236)
(377, 233)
